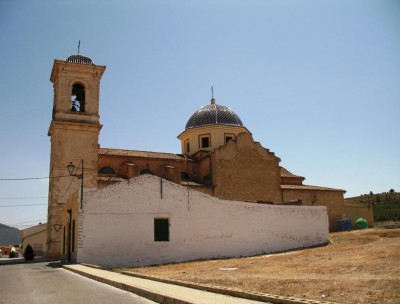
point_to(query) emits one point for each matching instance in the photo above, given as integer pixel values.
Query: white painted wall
(116, 225)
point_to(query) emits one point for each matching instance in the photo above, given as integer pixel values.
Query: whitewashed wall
(116, 227)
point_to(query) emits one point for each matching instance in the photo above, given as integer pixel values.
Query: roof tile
(309, 187)
(136, 153)
(286, 173)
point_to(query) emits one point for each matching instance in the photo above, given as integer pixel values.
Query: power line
(25, 224)
(30, 221)
(22, 226)
(30, 205)
(22, 198)
(30, 178)
(38, 178)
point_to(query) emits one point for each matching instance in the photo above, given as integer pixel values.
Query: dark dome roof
(213, 114)
(80, 59)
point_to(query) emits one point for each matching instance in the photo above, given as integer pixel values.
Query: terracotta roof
(309, 187)
(135, 153)
(286, 173)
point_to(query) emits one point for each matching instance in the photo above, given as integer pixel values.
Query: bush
(29, 254)
(12, 255)
(388, 210)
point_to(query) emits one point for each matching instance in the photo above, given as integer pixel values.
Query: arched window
(146, 171)
(185, 176)
(78, 98)
(107, 170)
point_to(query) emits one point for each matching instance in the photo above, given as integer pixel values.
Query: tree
(391, 190)
(29, 254)
(371, 193)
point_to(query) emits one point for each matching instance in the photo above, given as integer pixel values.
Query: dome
(80, 59)
(213, 114)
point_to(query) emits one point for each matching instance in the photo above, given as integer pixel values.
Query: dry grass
(357, 267)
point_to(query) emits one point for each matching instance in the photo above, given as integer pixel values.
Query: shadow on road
(56, 264)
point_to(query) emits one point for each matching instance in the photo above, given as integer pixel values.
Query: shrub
(12, 255)
(29, 254)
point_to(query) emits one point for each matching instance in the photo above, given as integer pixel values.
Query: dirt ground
(357, 267)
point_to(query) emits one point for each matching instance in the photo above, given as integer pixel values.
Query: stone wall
(70, 142)
(354, 211)
(244, 170)
(117, 225)
(332, 200)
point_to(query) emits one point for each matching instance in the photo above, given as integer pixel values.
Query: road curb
(256, 296)
(14, 261)
(148, 294)
(161, 298)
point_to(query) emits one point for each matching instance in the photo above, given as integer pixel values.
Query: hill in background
(386, 205)
(9, 235)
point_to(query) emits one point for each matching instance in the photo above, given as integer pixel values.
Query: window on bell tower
(78, 98)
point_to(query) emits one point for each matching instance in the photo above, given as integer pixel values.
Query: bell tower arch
(74, 132)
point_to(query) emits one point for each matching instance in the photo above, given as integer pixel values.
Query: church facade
(219, 158)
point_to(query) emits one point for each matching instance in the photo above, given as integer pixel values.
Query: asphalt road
(47, 283)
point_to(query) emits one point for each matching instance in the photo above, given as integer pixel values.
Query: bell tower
(74, 132)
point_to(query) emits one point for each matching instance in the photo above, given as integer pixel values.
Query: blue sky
(316, 82)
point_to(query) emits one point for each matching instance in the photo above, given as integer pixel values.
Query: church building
(218, 157)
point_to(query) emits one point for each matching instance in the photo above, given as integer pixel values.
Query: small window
(205, 141)
(146, 171)
(161, 230)
(107, 170)
(229, 137)
(37, 248)
(185, 176)
(187, 146)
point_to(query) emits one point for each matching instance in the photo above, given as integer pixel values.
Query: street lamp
(71, 168)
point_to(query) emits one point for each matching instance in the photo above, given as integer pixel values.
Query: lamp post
(71, 168)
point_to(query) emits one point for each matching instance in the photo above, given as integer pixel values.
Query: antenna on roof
(79, 46)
